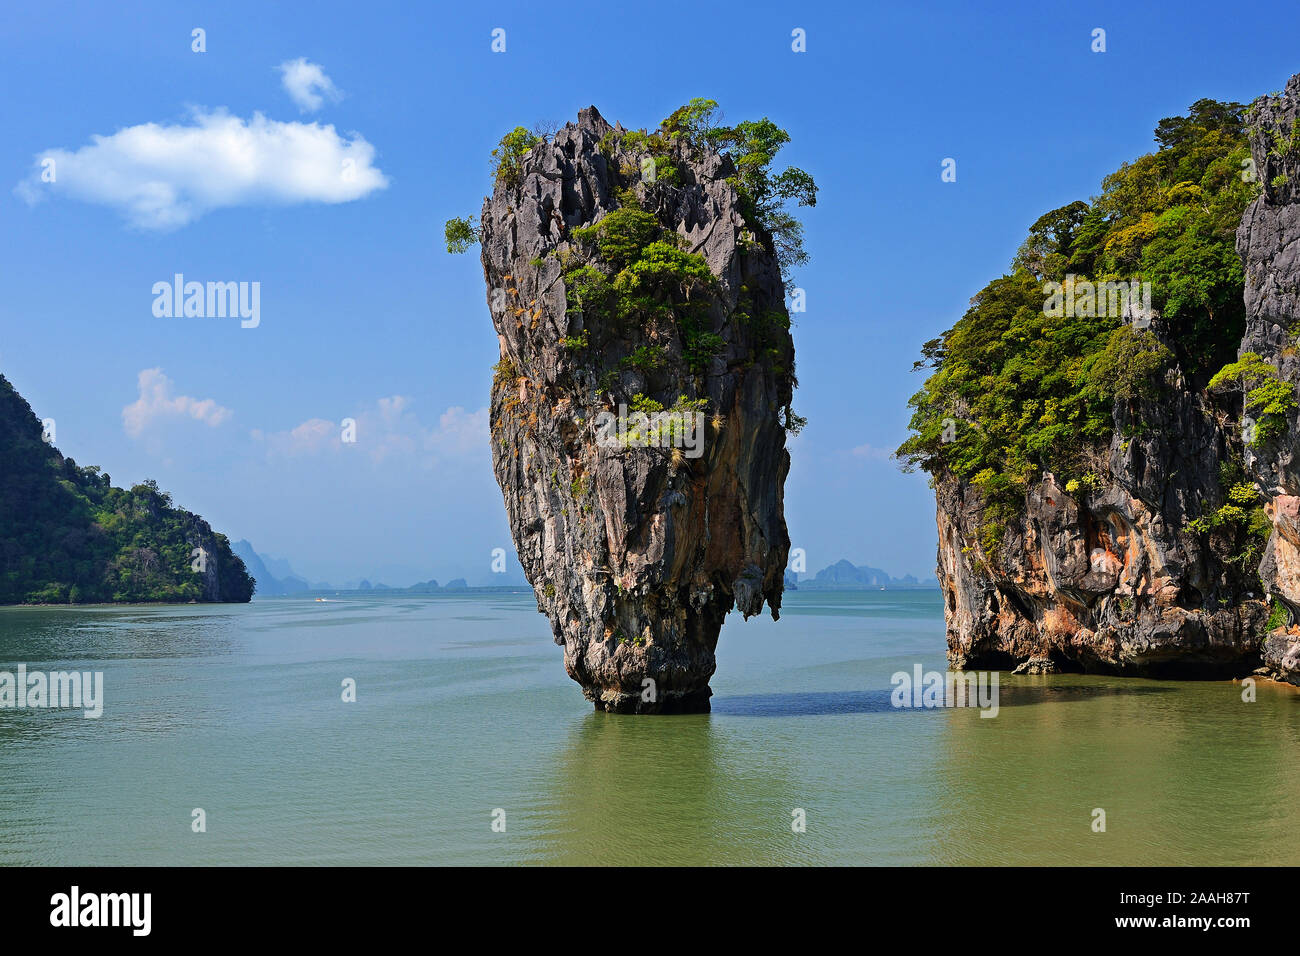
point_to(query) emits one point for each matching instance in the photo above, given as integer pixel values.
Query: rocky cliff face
(1108, 577)
(1105, 579)
(1269, 244)
(638, 536)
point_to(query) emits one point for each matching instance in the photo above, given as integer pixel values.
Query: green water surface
(463, 708)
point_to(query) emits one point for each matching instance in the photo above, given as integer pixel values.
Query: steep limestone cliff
(1269, 243)
(1106, 579)
(1143, 557)
(618, 285)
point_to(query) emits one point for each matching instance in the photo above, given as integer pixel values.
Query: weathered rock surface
(1269, 244)
(1105, 579)
(636, 554)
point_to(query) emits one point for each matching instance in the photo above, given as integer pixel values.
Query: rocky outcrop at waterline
(636, 412)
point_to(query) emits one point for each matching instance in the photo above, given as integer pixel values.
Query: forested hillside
(68, 536)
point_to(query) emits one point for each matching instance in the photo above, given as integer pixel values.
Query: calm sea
(463, 709)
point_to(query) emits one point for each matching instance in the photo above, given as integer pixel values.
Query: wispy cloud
(158, 403)
(387, 430)
(459, 433)
(307, 84)
(871, 453)
(164, 176)
(311, 437)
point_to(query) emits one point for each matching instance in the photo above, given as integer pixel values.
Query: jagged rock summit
(636, 411)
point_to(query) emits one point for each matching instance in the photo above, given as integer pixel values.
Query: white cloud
(391, 409)
(307, 84)
(460, 432)
(312, 436)
(387, 430)
(158, 403)
(164, 176)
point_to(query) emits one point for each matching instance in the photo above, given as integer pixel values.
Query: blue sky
(364, 314)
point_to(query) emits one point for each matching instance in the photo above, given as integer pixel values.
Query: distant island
(286, 582)
(67, 536)
(276, 578)
(268, 583)
(845, 576)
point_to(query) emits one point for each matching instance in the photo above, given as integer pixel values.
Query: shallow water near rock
(462, 709)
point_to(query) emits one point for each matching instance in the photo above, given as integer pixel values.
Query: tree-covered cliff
(1086, 442)
(68, 536)
(1030, 391)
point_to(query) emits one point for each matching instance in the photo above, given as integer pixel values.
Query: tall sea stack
(636, 412)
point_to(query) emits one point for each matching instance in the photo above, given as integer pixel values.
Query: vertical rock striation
(1269, 244)
(636, 553)
(1150, 560)
(1106, 579)
(1111, 577)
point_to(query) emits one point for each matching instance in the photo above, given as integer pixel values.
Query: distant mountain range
(276, 578)
(844, 576)
(268, 585)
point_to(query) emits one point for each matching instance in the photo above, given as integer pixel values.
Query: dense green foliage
(1279, 616)
(1129, 366)
(656, 278)
(1018, 388)
(1269, 400)
(68, 536)
(507, 158)
(631, 271)
(752, 146)
(1239, 528)
(460, 234)
(652, 279)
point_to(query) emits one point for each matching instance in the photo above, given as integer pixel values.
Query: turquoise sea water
(463, 708)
